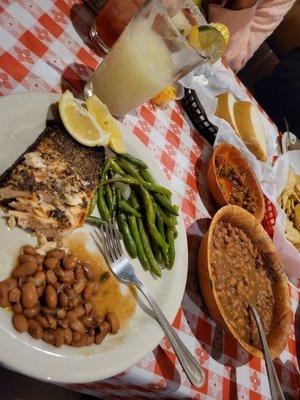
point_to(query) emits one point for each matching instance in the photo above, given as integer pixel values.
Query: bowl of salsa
(231, 180)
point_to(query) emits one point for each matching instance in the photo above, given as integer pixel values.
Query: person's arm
(239, 21)
(249, 22)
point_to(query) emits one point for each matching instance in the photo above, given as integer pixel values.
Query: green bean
(126, 207)
(93, 203)
(161, 229)
(133, 160)
(146, 175)
(150, 218)
(157, 252)
(109, 198)
(160, 225)
(128, 168)
(116, 168)
(147, 248)
(165, 203)
(129, 180)
(171, 243)
(118, 197)
(167, 220)
(162, 199)
(133, 200)
(126, 234)
(136, 236)
(95, 221)
(102, 207)
(105, 169)
(174, 219)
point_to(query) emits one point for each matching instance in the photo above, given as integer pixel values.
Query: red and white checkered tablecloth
(43, 48)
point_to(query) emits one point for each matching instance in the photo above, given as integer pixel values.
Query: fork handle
(275, 389)
(190, 365)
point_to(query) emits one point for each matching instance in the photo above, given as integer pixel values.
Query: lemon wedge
(80, 123)
(107, 122)
(165, 96)
(223, 30)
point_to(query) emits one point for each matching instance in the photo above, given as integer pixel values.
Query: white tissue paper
(208, 82)
(289, 255)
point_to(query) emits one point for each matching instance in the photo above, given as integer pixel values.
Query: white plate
(22, 119)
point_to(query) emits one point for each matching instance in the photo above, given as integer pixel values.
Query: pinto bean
(68, 335)
(89, 273)
(39, 258)
(20, 322)
(4, 294)
(48, 337)
(29, 250)
(51, 263)
(79, 273)
(79, 285)
(51, 277)
(14, 295)
(69, 262)
(76, 337)
(42, 320)
(56, 253)
(35, 329)
(113, 321)
(25, 269)
(52, 321)
(90, 289)
(27, 258)
(12, 283)
(89, 307)
(17, 308)
(88, 321)
(32, 312)
(63, 299)
(79, 311)
(59, 337)
(51, 297)
(77, 326)
(38, 279)
(104, 329)
(29, 295)
(61, 313)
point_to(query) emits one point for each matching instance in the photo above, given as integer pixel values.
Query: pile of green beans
(147, 220)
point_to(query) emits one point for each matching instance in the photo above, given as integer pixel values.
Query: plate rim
(94, 375)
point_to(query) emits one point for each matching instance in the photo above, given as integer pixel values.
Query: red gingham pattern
(44, 47)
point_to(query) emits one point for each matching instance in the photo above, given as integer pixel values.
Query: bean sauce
(241, 277)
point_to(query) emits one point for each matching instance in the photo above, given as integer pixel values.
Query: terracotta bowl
(235, 158)
(279, 333)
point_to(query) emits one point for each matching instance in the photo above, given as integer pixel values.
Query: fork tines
(108, 234)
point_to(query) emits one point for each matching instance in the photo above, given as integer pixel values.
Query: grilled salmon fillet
(50, 187)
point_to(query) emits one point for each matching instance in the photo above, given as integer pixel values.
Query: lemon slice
(107, 122)
(80, 123)
(223, 30)
(165, 96)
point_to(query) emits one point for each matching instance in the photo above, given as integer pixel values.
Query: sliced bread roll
(250, 128)
(225, 109)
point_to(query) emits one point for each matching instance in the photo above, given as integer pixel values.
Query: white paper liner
(289, 255)
(214, 80)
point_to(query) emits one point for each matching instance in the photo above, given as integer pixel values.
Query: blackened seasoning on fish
(50, 187)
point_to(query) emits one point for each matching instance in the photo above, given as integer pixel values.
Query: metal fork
(275, 389)
(109, 237)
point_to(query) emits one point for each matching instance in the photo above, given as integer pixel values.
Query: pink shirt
(249, 28)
